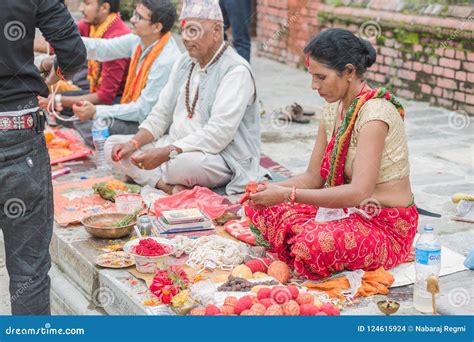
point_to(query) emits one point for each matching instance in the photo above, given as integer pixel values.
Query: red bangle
(292, 197)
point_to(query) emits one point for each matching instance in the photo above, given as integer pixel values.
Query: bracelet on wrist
(135, 144)
(292, 197)
(58, 102)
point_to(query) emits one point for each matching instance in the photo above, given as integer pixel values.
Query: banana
(460, 196)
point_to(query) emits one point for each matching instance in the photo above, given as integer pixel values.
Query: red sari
(316, 250)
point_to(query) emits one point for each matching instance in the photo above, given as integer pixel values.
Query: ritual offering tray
(115, 260)
(110, 226)
(149, 253)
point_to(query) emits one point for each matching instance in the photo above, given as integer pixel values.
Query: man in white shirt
(205, 128)
(152, 50)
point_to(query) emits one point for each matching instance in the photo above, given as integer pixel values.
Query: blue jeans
(238, 15)
(26, 219)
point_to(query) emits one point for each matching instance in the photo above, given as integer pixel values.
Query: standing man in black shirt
(26, 199)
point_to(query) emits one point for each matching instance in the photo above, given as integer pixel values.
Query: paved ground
(441, 156)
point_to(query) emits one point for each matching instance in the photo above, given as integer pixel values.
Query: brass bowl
(388, 307)
(94, 225)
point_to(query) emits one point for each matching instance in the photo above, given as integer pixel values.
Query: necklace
(341, 111)
(94, 71)
(191, 108)
(361, 92)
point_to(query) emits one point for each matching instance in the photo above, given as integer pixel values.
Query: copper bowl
(95, 225)
(388, 307)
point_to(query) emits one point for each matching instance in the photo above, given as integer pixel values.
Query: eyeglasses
(138, 16)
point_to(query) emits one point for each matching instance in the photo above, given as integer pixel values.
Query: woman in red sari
(353, 207)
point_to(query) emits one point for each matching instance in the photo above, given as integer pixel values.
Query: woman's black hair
(162, 11)
(337, 47)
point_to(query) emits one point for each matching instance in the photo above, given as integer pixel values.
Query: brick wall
(73, 5)
(422, 55)
(284, 27)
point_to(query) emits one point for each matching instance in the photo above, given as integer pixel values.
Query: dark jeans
(238, 15)
(26, 219)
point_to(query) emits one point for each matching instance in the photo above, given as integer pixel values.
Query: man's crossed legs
(187, 170)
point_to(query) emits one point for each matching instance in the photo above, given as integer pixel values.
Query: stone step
(67, 298)
(116, 292)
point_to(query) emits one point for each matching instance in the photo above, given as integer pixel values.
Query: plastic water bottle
(144, 225)
(428, 262)
(100, 133)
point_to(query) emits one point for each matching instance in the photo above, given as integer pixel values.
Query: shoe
(295, 112)
(300, 109)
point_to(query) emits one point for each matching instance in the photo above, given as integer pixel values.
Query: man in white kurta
(175, 150)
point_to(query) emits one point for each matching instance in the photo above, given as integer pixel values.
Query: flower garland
(95, 68)
(168, 283)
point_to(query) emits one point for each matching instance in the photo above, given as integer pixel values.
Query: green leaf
(259, 239)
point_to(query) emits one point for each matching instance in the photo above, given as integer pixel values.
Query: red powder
(150, 247)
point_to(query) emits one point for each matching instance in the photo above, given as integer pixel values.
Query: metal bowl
(94, 225)
(388, 307)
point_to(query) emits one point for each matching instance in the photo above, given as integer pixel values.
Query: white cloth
(235, 93)
(188, 169)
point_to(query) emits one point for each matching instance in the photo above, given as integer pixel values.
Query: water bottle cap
(429, 228)
(144, 219)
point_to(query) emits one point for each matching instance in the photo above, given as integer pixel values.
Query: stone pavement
(442, 162)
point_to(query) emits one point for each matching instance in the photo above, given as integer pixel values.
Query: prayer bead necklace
(191, 109)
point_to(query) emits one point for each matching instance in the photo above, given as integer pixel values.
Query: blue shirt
(103, 50)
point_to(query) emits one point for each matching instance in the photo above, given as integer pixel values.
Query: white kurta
(234, 95)
(201, 144)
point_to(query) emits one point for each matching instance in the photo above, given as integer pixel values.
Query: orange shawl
(136, 81)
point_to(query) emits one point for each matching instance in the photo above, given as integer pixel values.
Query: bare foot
(164, 187)
(179, 188)
(170, 189)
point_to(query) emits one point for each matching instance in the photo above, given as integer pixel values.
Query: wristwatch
(58, 102)
(173, 152)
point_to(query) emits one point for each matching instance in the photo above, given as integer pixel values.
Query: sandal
(297, 107)
(295, 114)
